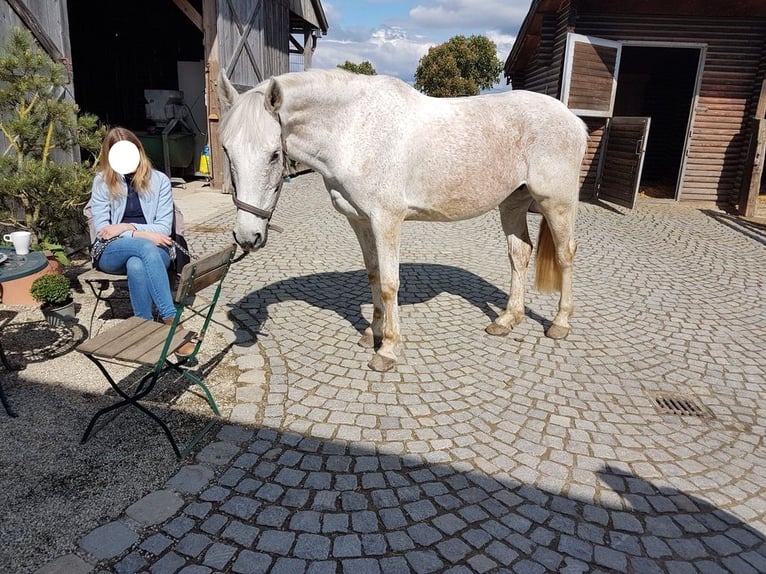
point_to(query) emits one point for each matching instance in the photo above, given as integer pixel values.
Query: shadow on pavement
(750, 229)
(346, 292)
(284, 502)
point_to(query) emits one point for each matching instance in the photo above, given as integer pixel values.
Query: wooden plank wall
(276, 39)
(51, 16)
(721, 128)
(543, 74)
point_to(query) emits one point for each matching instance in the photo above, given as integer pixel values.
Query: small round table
(14, 267)
(17, 266)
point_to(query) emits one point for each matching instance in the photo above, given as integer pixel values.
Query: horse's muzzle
(258, 241)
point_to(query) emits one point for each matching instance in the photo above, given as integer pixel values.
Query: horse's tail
(548, 272)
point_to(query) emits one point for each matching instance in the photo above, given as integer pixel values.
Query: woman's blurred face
(124, 157)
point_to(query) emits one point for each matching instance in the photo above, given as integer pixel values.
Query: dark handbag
(98, 248)
(179, 256)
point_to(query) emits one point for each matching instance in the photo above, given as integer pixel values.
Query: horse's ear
(227, 93)
(272, 97)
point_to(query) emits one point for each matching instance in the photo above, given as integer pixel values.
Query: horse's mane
(334, 85)
(321, 86)
(243, 114)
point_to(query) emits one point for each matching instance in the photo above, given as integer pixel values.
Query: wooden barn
(152, 65)
(673, 94)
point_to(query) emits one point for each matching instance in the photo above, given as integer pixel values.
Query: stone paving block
(132, 563)
(66, 564)
(190, 479)
(214, 523)
(361, 566)
(423, 562)
(275, 541)
(219, 555)
(242, 534)
(312, 547)
(168, 564)
(179, 526)
(192, 544)
(155, 507)
(241, 507)
(347, 546)
(217, 453)
(322, 567)
(109, 540)
(251, 563)
(235, 433)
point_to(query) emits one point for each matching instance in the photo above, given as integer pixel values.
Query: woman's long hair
(114, 181)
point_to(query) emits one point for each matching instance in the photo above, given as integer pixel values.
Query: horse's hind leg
(513, 216)
(555, 252)
(373, 334)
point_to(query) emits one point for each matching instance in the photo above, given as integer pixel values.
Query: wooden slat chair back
(144, 342)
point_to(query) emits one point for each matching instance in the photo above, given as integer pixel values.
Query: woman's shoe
(187, 348)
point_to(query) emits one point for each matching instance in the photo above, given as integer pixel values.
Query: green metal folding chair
(149, 343)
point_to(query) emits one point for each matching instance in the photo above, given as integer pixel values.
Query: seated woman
(133, 204)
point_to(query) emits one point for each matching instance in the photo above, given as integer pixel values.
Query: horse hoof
(368, 340)
(557, 332)
(381, 363)
(497, 330)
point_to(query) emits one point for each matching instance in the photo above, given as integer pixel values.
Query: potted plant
(46, 169)
(54, 291)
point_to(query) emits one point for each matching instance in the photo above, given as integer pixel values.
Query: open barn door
(589, 82)
(619, 174)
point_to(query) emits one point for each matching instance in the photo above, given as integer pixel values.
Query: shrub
(51, 288)
(39, 193)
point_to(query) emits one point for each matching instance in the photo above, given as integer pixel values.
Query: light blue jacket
(156, 204)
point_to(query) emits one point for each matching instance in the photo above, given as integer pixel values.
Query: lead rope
(182, 250)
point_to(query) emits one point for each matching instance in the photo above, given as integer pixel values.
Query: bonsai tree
(39, 194)
(51, 289)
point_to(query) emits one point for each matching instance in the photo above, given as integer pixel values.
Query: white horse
(388, 154)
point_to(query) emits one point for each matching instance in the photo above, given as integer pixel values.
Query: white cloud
(471, 14)
(389, 50)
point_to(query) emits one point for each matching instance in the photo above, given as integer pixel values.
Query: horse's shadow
(346, 292)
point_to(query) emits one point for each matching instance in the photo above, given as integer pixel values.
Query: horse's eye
(275, 157)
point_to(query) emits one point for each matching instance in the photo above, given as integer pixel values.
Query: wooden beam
(210, 29)
(190, 13)
(34, 26)
(754, 169)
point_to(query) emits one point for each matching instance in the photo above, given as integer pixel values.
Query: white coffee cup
(21, 241)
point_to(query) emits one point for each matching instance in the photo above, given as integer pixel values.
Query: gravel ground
(51, 486)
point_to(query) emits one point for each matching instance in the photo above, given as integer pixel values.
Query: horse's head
(254, 166)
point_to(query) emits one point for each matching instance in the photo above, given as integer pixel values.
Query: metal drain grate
(683, 405)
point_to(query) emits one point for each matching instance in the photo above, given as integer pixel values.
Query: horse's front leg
(513, 216)
(387, 236)
(373, 334)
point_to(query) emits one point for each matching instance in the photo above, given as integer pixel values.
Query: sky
(393, 35)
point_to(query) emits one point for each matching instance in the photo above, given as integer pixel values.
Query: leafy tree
(459, 67)
(40, 194)
(364, 68)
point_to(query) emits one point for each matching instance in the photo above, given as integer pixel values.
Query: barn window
(590, 75)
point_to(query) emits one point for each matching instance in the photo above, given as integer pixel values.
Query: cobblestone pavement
(477, 454)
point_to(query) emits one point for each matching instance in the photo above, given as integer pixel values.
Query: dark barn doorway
(137, 46)
(659, 82)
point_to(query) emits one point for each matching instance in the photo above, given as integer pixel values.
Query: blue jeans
(146, 266)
